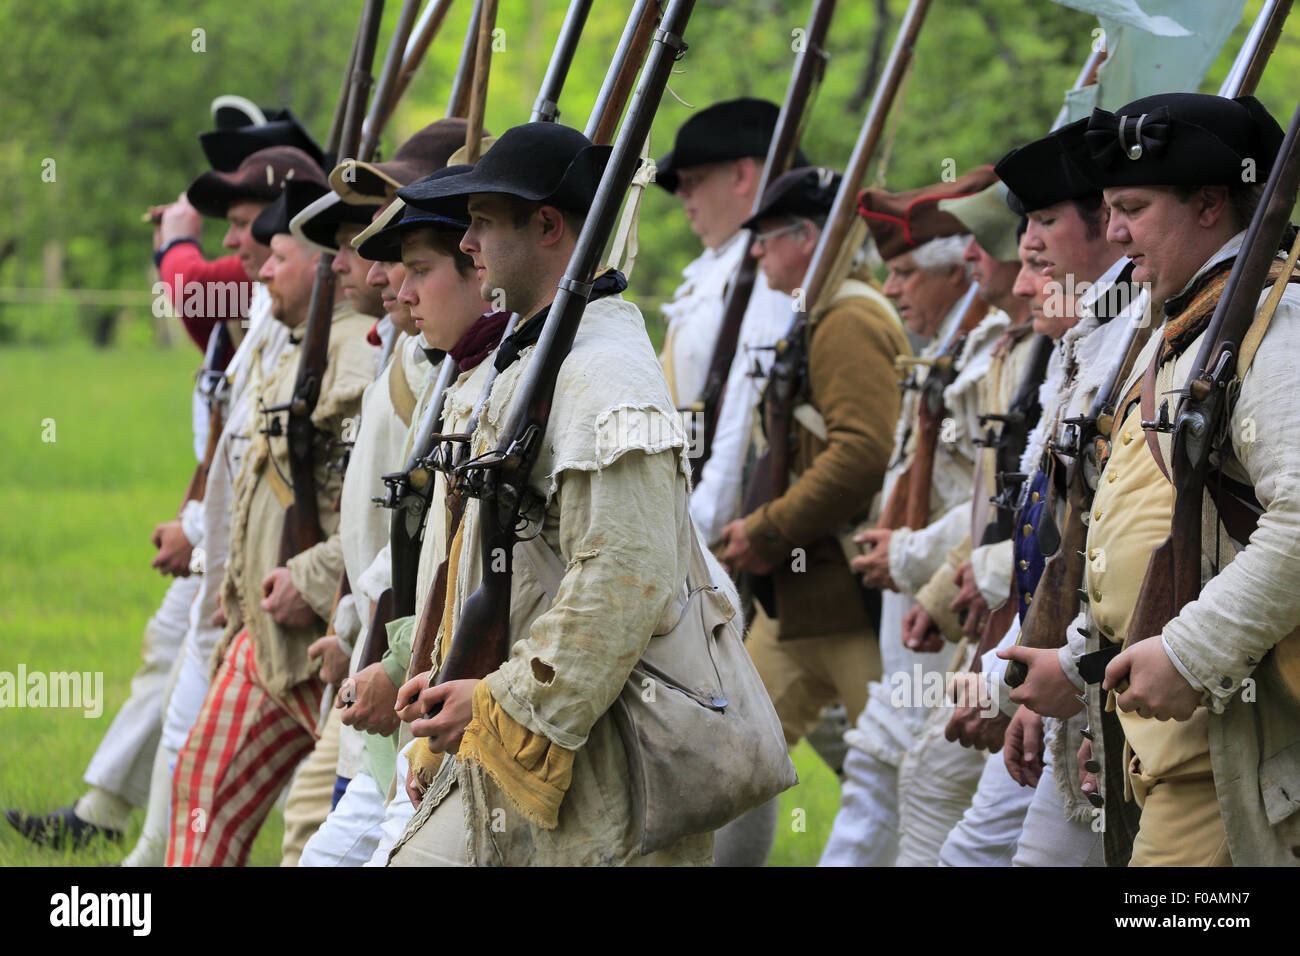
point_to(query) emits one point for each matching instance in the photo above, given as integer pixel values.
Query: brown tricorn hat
(900, 222)
(428, 150)
(260, 177)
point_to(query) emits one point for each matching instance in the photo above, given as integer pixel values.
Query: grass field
(76, 587)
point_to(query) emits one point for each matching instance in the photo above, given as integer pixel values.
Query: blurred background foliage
(114, 92)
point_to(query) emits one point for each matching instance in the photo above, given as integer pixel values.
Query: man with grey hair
(929, 283)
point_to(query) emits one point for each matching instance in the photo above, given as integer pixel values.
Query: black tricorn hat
(296, 196)
(230, 111)
(227, 146)
(1179, 139)
(1043, 173)
(384, 243)
(539, 162)
(260, 177)
(807, 193)
(732, 129)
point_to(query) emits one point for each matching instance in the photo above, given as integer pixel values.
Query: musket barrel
(547, 107)
(623, 68)
(426, 28)
(805, 80)
(361, 79)
(482, 70)
(604, 209)
(1249, 63)
(844, 208)
(379, 108)
(458, 98)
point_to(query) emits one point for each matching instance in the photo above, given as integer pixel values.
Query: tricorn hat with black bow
(1179, 139)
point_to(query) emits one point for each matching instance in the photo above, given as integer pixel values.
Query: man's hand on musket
(1155, 688)
(178, 220)
(919, 632)
(174, 550)
(1046, 691)
(445, 728)
(334, 667)
(1023, 754)
(738, 554)
(874, 565)
(1087, 779)
(368, 699)
(970, 601)
(282, 601)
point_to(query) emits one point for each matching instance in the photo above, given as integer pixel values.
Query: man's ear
(746, 173)
(1213, 204)
(552, 224)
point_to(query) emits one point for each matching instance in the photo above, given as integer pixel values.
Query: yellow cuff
(424, 762)
(534, 772)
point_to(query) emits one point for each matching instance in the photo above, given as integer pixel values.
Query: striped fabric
(240, 753)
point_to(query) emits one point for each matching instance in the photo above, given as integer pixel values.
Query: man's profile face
(1151, 225)
(289, 273)
(922, 296)
(1034, 285)
(504, 254)
(386, 278)
(783, 248)
(707, 194)
(239, 236)
(995, 278)
(443, 303)
(351, 271)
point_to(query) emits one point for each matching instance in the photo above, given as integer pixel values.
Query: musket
(1173, 577)
(1057, 597)
(805, 80)
(546, 108)
(215, 389)
(499, 479)
(301, 521)
(908, 505)
(931, 409)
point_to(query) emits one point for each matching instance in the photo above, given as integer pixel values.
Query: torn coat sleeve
(568, 671)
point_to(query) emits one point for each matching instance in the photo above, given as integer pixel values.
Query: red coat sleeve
(225, 286)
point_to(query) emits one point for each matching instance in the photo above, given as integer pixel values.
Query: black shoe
(53, 829)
